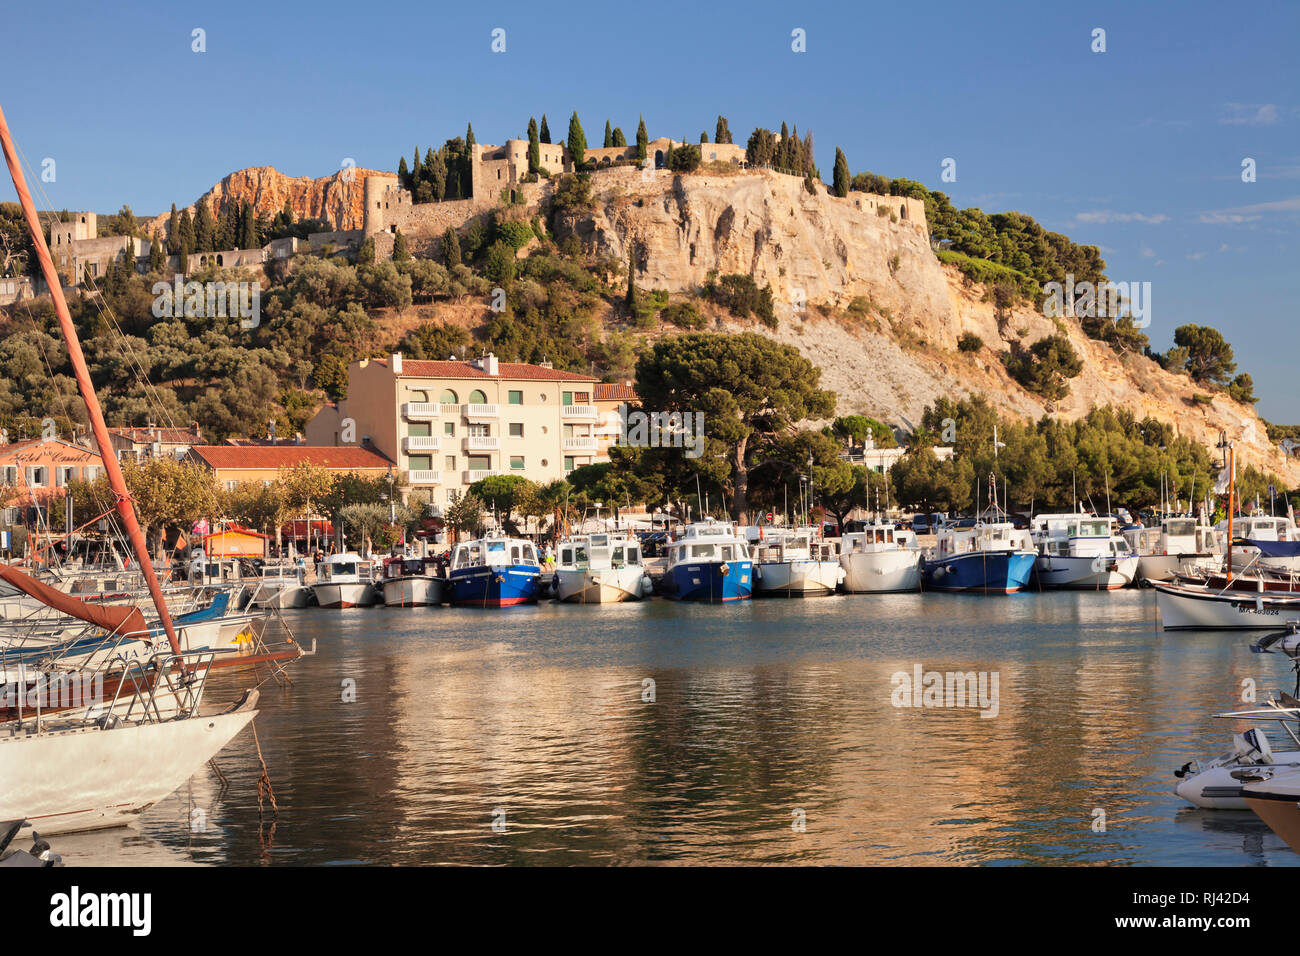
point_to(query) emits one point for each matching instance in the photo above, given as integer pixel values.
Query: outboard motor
(1252, 747)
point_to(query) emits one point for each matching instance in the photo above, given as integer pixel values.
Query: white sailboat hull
(89, 778)
(601, 586)
(1084, 572)
(282, 596)
(1183, 608)
(1214, 788)
(881, 571)
(797, 578)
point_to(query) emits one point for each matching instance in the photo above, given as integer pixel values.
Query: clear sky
(1138, 149)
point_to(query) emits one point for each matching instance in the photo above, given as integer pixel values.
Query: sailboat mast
(1232, 504)
(97, 425)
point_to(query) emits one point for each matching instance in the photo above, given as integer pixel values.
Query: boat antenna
(97, 425)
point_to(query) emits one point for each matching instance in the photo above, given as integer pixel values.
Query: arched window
(902, 211)
(219, 260)
(420, 395)
(449, 397)
(477, 397)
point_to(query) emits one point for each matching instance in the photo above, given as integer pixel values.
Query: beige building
(234, 465)
(450, 424)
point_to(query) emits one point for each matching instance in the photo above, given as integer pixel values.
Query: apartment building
(234, 465)
(36, 471)
(450, 424)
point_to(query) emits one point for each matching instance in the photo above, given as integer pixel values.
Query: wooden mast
(97, 425)
(1232, 504)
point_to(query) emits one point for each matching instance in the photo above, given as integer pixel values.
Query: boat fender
(724, 569)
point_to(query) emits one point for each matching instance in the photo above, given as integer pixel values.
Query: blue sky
(1137, 149)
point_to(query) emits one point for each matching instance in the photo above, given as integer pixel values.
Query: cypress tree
(438, 177)
(248, 227)
(783, 148)
(187, 234)
(156, 259)
(609, 135)
(704, 137)
(451, 247)
(619, 139)
(631, 280)
(400, 252)
(204, 229)
(722, 133)
(469, 136)
(842, 177)
(577, 140)
(642, 140)
(415, 170)
(227, 228)
(173, 231)
(403, 174)
(546, 131)
(534, 149)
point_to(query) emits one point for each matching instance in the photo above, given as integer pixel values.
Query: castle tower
(382, 193)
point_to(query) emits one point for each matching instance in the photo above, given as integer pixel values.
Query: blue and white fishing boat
(709, 562)
(990, 558)
(495, 572)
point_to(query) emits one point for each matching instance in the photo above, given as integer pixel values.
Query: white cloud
(1247, 114)
(1195, 255)
(1103, 216)
(1240, 214)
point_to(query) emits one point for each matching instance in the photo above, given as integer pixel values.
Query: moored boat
(494, 572)
(601, 569)
(992, 557)
(789, 563)
(1178, 544)
(709, 563)
(411, 581)
(1081, 552)
(282, 585)
(881, 558)
(344, 580)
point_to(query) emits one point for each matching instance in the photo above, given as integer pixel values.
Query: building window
(480, 462)
(450, 462)
(516, 397)
(568, 463)
(516, 429)
(419, 462)
(477, 397)
(449, 429)
(449, 397)
(418, 395)
(516, 462)
(566, 398)
(419, 429)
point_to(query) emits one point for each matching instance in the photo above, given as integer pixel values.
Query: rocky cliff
(895, 350)
(338, 199)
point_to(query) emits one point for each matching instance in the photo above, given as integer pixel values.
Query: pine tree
(642, 140)
(619, 139)
(722, 134)
(534, 149)
(577, 140)
(546, 131)
(609, 135)
(451, 247)
(842, 177)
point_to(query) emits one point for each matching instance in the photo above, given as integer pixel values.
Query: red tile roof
(45, 447)
(288, 456)
(418, 368)
(614, 392)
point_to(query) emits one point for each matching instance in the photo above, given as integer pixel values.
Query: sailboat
(88, 768)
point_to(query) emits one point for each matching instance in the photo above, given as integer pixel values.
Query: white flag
(1221, 486)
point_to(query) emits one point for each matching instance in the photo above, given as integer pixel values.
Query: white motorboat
(1218, 783)
(282, 585)
(601, 569)
(1177, 545)
(411, 581)
(1081, 551)
(1271, 543)
(1274, 794)
(788, 562)
(344, 580)
(880, 559)
(1201, 607)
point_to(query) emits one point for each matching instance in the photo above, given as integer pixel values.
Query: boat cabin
(598, 551)
(344, 568)
(873, 538)
(984, 536)
(408, 566)
(493, 552)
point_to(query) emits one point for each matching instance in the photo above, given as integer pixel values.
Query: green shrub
(740, 295)
(684, 315)
(969, 342)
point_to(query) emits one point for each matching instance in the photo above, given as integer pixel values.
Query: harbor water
(762, 732)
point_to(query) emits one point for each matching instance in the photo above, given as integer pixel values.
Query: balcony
(473, 476)
(482, 442)
(424, 477)
(420, 411)
(450, 409)
(586, 413)
(473, 412)
(585, 443)
(421, 443)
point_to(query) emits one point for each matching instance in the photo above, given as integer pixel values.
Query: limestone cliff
(334, 199)
(898, 353)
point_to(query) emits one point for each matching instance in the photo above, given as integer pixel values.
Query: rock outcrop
(338, 199)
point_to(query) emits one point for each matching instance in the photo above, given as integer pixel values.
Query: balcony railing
(421, 443)
(473, 476)
(424, 477)
(482, 442)
(584, 412)
(419, 411)
(482, 411)
(450, 408)
(580, 444)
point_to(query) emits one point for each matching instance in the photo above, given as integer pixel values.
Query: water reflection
(764, 714)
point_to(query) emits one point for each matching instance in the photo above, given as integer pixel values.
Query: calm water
(762, 709)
